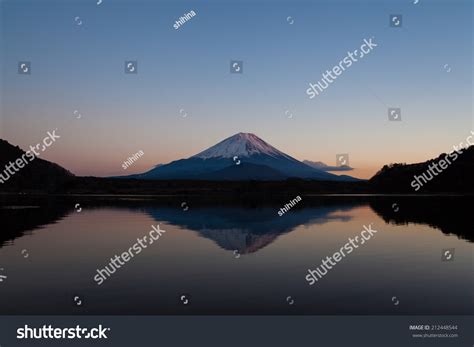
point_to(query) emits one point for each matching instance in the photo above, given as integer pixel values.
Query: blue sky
(81, 67)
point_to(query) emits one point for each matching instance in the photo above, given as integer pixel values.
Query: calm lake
(236, 257)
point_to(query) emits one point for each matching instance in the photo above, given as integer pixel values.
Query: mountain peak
(245, 135)
(241, 145)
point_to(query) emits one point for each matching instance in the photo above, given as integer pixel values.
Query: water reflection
(246, 230)
(249, 228)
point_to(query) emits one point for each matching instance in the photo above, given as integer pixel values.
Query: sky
(78, 85)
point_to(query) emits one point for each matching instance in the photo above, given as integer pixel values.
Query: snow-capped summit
(257, 160)
(241, 145)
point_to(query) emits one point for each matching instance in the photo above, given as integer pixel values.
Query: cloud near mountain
(322, 166)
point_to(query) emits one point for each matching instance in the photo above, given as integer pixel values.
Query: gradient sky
(81, 67)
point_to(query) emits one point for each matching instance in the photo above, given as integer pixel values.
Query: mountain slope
(457, 177)
(220, 162)
(37, 174)
(246, 171)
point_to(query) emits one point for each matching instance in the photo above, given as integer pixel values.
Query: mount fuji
(242, 156)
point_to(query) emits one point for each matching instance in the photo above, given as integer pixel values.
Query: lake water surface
(236, 257)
